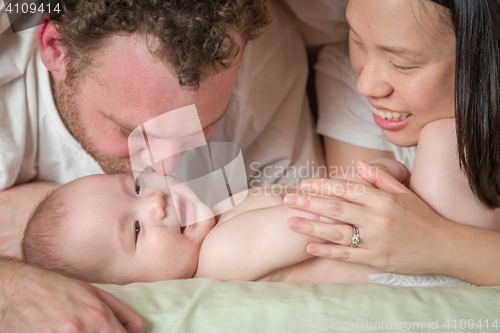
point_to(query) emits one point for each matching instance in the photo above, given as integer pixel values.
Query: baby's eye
(137, 188)
(137, 229)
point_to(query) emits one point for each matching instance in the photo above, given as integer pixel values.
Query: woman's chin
(401, 137)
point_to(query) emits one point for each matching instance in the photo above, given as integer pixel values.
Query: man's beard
(66, 96)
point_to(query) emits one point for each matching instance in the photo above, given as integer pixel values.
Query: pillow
(207, 305)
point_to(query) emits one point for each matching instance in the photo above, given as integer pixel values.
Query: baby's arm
(253, 244)
(438, 180)
(253, 240)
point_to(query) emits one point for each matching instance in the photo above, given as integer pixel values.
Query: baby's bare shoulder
(261, 197)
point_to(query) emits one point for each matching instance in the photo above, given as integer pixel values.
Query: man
(71, 96)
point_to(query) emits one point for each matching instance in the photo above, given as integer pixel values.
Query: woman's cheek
(356, 57)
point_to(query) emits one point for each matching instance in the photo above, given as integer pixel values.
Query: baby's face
(132, 232)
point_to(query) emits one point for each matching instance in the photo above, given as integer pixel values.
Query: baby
(107, 229)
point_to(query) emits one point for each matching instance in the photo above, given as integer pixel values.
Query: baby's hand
(394, 168)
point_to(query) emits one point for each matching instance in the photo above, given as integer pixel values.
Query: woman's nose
(372, 82)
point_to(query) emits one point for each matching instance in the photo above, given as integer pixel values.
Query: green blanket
(206, 305)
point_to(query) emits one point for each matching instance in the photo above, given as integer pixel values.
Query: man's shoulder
(16, 52)
(18, 107)
(321, 23)
(282, 34)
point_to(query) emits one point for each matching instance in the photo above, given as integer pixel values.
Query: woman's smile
(391, 120)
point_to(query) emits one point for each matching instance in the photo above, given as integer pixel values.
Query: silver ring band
(355, 236)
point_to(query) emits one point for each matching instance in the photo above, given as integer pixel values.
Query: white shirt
(268, 115)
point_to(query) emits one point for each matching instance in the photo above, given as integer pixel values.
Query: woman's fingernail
(312, 249)
(295, 225)
(305, 184)
(290, 200)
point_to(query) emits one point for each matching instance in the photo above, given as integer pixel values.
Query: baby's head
(107, 229)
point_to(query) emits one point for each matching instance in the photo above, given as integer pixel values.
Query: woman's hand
(399, 233)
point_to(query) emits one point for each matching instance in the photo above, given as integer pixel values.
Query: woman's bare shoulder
(438, 179)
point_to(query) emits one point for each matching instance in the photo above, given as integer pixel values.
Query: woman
(398, 232)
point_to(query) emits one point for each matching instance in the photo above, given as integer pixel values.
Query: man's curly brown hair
(193, 36)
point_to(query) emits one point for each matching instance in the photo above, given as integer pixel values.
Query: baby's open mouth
(185, 214)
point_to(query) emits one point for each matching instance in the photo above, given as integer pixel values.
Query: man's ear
(51, 51)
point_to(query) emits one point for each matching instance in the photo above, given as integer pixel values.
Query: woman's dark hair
(477, 93)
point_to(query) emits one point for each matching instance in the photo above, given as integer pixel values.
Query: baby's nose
(158, 206)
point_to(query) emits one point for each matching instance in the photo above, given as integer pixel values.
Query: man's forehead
(128, 78)
(134, 87)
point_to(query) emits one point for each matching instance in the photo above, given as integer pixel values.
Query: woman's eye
(137, 188)
(137, 229)
(401, 67)
(356, 42)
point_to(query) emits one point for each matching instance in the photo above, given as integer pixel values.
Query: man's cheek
(115, 145)
(208, 133)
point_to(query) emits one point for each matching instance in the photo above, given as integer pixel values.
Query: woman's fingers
(338, 233)
(348, 190)
(338, 210)
(339, 252)
(379, 178)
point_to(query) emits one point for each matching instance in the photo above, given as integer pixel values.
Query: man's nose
(372, 82)
(165, 166)
(163, 155)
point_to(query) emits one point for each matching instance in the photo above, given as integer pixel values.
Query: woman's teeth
(391, 115)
